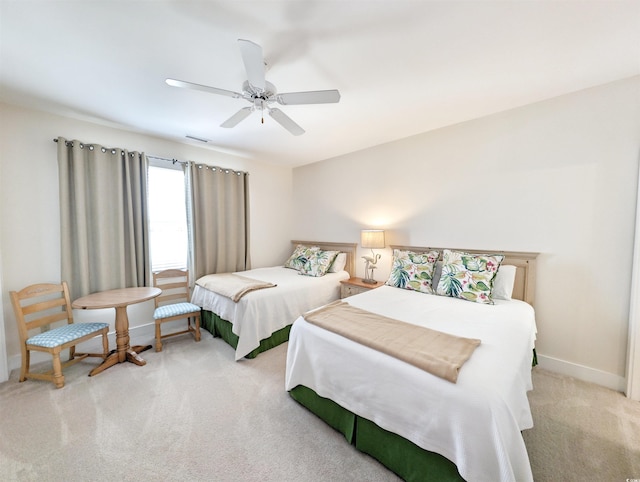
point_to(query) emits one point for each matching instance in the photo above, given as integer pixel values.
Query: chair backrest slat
(171, 286)
(42, 306)
(46, 320)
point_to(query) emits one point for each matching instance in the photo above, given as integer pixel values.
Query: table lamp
(373, 239)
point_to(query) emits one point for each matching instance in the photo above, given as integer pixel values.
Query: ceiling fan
(262, 94)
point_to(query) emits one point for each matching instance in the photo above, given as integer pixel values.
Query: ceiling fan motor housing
(252, 92)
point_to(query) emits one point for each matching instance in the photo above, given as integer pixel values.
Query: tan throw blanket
(232, 285)
(438, 353)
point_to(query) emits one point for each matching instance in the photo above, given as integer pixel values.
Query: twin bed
(262, 319)
(417, 423)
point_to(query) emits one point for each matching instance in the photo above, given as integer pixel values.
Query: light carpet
(194, 414)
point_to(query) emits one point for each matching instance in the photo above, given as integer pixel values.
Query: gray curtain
(103, 217)
(220, 220)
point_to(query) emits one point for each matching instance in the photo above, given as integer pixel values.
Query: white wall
(4, 362)
(29, 209)
(558, 177)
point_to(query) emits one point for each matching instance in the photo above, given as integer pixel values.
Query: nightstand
(354, 286)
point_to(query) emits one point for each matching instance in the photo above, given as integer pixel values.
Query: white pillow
(339, 263)
(503, 282)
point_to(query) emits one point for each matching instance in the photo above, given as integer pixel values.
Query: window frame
(176, 166)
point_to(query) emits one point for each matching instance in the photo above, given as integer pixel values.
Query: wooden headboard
(349, 248)
(525, 285)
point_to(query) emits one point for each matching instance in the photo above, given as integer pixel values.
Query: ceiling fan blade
(311, 97)
(285, 121)
(204, 88)
(236, 118)
(253, 63)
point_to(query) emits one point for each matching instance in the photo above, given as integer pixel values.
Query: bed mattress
(260, 313)
(475, 423)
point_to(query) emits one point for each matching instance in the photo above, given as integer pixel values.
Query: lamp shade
(372, 238)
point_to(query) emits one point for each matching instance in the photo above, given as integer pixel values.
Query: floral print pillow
(468, 276)
(300, 256)
(318, 263)
(413, 271)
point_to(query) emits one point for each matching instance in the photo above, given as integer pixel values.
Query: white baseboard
(584, 373)
(138, 335)
(145, 335)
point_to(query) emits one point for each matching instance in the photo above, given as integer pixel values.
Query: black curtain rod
(173, 161)
(154, 157)
(206, 166)
(201, 166)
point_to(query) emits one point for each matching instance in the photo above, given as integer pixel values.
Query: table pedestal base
(119, 299)
(123, 352)
(131, 355)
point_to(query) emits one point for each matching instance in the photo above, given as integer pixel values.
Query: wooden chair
(39, 306)
(174, 303)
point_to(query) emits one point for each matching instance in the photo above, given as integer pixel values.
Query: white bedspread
(475, 423)
(260, 313)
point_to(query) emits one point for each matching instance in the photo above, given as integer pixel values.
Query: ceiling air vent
(198, 139)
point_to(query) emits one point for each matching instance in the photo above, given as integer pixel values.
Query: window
(168, 238)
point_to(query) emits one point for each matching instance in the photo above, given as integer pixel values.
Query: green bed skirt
(398, 454)
(224, 329)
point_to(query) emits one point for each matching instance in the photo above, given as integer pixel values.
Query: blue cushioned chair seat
(64, 334)
(175, 309)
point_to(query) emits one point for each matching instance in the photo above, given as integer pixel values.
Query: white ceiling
(402, 67)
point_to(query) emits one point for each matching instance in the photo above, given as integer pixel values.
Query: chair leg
(58, 378)
(158, 337)
(197, 323)
(72, 352)
(26, 359)
(105, 346)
